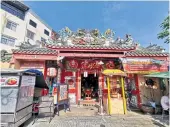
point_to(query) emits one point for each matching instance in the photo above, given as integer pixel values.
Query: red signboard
(144, 66)
(90, 65)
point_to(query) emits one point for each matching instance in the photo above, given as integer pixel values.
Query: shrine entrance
(89, 87)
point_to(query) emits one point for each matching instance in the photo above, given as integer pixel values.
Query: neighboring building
(13, 23)
(19, 25)
(36, 29)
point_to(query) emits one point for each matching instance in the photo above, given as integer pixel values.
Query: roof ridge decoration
(89, 37)
(151, 48)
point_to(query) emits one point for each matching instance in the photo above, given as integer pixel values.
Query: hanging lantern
(51, 72)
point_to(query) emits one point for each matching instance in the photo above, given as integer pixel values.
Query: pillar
(137, 90)
(78, 86)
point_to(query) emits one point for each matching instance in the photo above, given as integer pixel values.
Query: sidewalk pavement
(86, 117)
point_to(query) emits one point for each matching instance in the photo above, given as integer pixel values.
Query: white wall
(19, 34)
(39, 30)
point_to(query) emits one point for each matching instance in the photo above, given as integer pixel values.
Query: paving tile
(136, 120)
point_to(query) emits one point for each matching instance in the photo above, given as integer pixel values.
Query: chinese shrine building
(80, 57)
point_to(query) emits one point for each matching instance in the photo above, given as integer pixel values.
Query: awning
(158, 75)
(112, 72)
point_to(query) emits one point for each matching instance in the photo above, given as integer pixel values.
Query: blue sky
(140, 19)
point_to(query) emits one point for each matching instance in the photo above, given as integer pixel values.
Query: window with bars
(7, 40)
(30, 35)
(11, 25)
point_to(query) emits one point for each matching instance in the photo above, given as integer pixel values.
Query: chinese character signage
(89, 65)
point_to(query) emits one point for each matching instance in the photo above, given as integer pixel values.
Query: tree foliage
(164, 34)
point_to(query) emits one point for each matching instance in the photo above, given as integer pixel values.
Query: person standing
(165, 102)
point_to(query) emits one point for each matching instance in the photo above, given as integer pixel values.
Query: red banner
(90, 65)
(144, 66)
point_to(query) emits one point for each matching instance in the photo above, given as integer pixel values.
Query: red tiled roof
(146, 53)
(51, 51)
(35, 51)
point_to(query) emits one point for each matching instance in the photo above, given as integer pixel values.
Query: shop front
(136, 68)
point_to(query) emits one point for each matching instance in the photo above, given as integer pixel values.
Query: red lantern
(51, 72)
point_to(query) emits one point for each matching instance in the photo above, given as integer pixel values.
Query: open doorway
(89, 87)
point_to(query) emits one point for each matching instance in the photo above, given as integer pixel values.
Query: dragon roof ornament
(89, 37)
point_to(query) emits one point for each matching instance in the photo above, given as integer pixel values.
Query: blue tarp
(37, 72)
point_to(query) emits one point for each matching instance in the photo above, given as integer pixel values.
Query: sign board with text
(63, 92)
(139, 65)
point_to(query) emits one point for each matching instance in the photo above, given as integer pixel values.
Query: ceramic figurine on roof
(129, 39)
(95, 32)
(154, 47)
(90, 37)
(109, 33)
